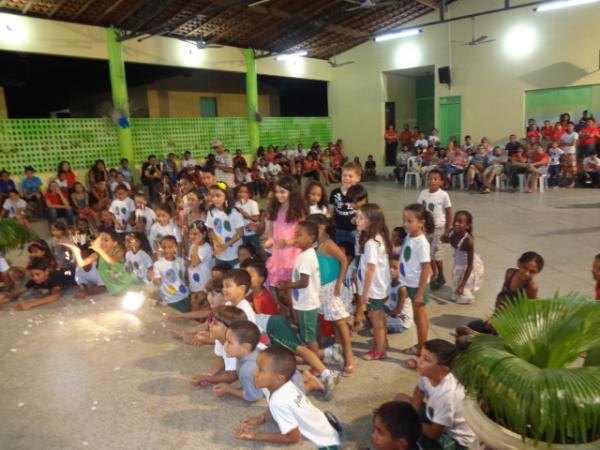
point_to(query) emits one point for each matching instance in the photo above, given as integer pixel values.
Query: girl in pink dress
(286, 209)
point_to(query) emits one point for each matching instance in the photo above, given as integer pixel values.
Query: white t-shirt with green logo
(415, 251)
(307, 299)
(436, 203)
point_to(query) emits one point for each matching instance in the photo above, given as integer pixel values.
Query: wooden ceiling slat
(56, 8)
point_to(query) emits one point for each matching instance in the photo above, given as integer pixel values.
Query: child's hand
(238, 433)
(174, 315)
(221, 389)
(23, 305)
(251, 422)
(200, 380)
(218, 249)
(268, 243)
(283, 284)
(282, 243)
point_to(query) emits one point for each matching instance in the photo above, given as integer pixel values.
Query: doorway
(390, 119)
(412, 91)
(450, 118)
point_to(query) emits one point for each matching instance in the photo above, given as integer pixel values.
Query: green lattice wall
(42, 143)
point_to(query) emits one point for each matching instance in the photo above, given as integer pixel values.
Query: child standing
(339, 205)
(294, 414)
(399, 311)
(332, 267)
(168, 272)
(415, 267)
(467, 275)
(200, 259)
(305, 284)
(144, 216)
(373, 274)
(137, 259)
(438, 399)
(437, 202)
(554, 167)
(286, 209)
(397, 238)
(315, 197)
(248, 208)
(225, 225)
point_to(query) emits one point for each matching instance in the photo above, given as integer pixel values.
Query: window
(208, 107)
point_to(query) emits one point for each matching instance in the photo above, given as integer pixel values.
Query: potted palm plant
(14, 235)
(529, 386)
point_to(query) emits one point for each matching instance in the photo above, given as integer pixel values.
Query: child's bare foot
(177, 335)
(311, 382)
(80, 295)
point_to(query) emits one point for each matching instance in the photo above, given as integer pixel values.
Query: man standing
(224, 165)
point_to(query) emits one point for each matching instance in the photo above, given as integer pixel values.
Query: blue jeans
(553, 175)
(345, 236)
(55, 213)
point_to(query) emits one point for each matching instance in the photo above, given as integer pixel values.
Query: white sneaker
(337, 355)
(462, 300)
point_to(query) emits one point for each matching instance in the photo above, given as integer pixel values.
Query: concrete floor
(85, 374)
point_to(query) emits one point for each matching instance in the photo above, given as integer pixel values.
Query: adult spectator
(512, 145)
(421, 143)
(6, 185)
(591, 170)
(151, 177)
(587, 139)
(187, 163)
(239, 160)
(391, 144)
(456, 163)
(405, 136)
(495, 167)
(223, 164)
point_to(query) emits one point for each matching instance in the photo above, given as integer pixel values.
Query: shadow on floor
(568, 231)
(357, 433)
(580, 206)
(451, 321)
(167, 386)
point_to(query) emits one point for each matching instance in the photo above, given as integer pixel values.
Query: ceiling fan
(475, 41)
(368, 4)
(333, 63)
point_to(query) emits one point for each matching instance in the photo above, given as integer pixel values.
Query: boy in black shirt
(44, 278)
(339, 205)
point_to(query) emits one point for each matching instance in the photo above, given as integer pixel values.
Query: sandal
(412, 351)
(410, 364)
(373, 355)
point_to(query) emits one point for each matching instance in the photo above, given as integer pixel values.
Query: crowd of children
(563, 154)
(268, 287)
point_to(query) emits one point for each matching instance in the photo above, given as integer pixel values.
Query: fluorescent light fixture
(397, 35)
(551, 6)
(259, 2)
(285, 56)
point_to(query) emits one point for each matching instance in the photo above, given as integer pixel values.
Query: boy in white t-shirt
(15, 208)
(437, 202)
(306, 284)
(5, 277)
(294, 414)
(122, 208)
(168, 272)
(224, 368)
(438, 399)
(399, 309)
(555, 153)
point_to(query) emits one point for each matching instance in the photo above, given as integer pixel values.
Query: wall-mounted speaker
(444, 74)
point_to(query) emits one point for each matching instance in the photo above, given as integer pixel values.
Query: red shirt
(533, 134)
(391, 136)
(557, 135)
(541, 157)
(590, 139)
(547, 131)
(405, 137)
(520, 158)
(264, 303)
(53, 199)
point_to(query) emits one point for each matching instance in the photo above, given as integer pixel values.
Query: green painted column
(118, 84)
(252, 101)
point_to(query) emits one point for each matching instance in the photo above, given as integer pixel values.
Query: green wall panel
(544, 104)
(44, 142)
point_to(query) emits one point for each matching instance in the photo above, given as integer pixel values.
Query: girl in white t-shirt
(415, 271)
(248, 208)
(373, 274)
(137, 257)
(315, 197)
(225, 225)
(200, 262)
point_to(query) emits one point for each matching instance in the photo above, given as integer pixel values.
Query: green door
(450, 118)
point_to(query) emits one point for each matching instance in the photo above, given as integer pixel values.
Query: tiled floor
(88, 375)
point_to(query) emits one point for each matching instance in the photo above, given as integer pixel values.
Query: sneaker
(328, 385)
(462, 300)
(337, 354)
(434, 285)
(328, 355)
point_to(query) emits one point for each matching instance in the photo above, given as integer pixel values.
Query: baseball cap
(217, 143)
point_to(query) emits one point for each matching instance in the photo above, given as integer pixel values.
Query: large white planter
(500, 438)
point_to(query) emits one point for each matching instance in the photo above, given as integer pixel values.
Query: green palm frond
(14, 235)
(523, 374)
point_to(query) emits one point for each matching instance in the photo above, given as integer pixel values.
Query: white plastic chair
(461, 180)
(542, 181)
(412, 170)
(500, 181)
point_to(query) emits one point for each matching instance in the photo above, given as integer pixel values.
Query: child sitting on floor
(223, 368)
(242, 337)
(396, 426)
(438, 399)
(88, 279)
(43, 277)
(399, 309)
(288, 406)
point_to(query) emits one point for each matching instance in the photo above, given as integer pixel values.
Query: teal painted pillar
(118, 84)
(252, 100)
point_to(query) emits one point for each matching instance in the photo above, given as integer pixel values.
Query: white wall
(531, 51)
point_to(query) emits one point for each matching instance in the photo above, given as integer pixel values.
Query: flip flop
(411, 351)
(374, 355)
(349, 370)
(410, 364)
